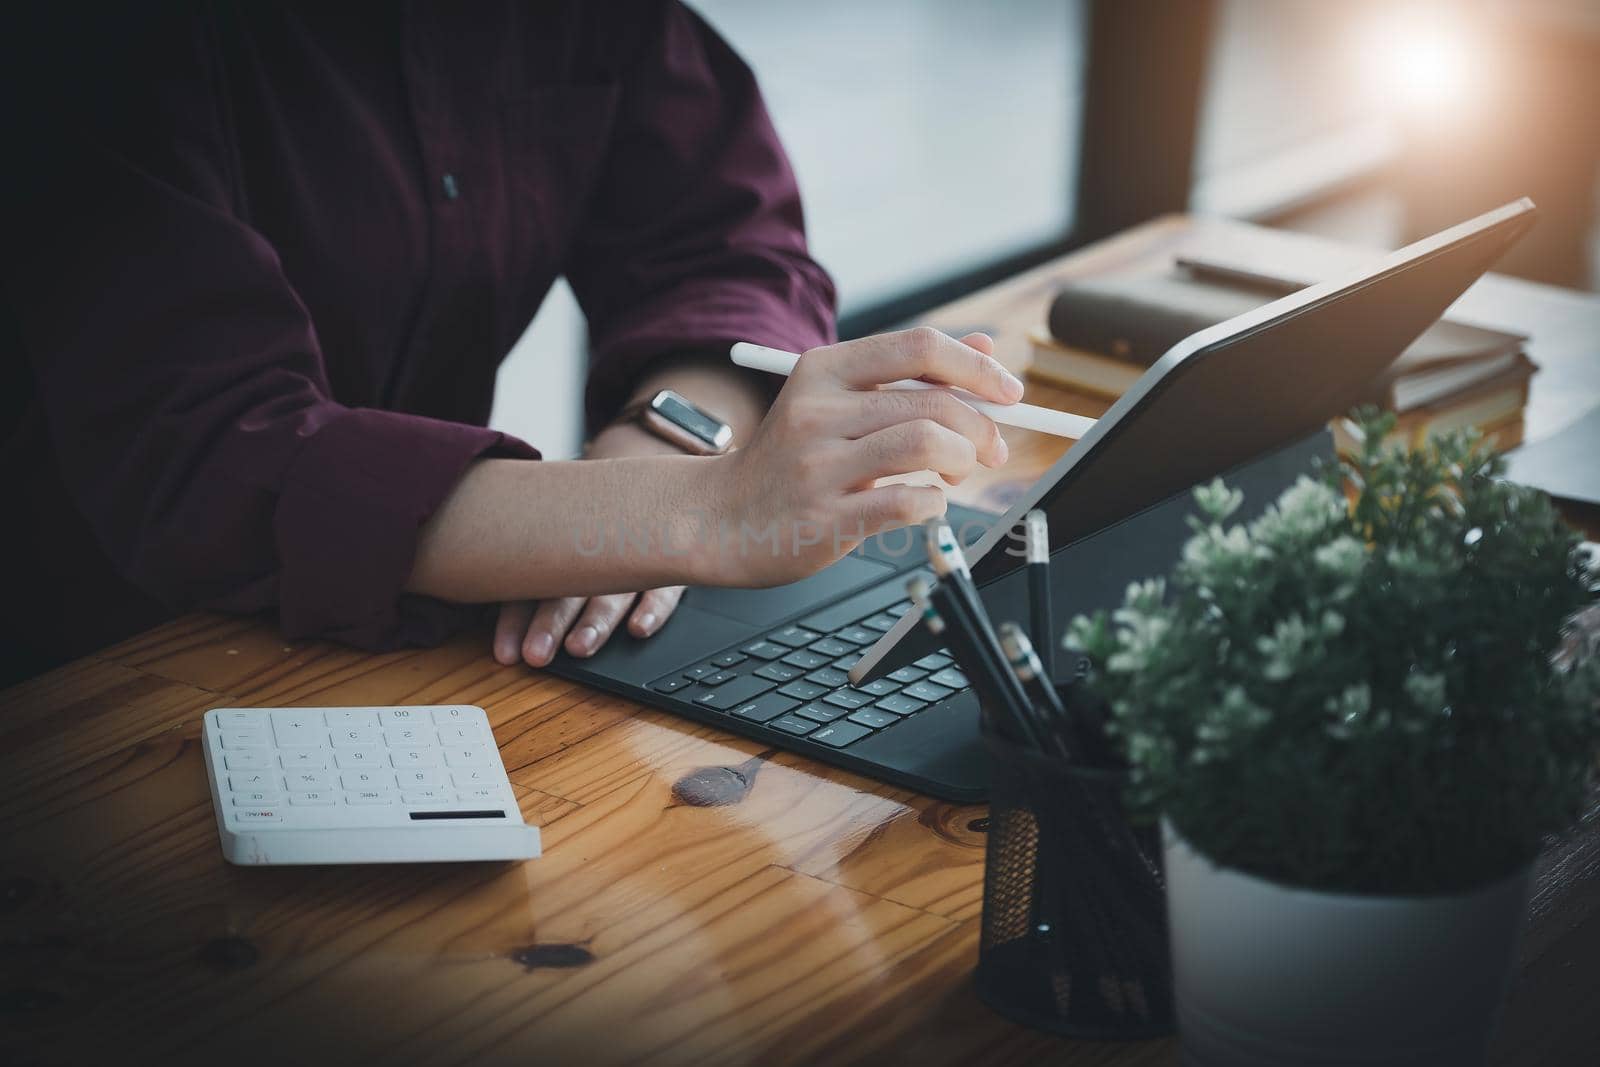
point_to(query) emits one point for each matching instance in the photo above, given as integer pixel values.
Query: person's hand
(534, 630)
(806, 490)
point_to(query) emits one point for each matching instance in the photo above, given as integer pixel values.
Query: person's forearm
(517, 529)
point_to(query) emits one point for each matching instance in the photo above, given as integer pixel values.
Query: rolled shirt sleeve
(694, 237)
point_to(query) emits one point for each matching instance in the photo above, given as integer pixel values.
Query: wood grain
(702, 899)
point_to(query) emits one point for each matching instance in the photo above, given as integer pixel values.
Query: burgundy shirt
(265, 280)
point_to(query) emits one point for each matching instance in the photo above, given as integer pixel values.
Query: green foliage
(1360, 696)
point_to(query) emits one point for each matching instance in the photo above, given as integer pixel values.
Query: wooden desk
(789, 913)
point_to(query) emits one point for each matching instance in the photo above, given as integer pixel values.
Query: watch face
(678, 411)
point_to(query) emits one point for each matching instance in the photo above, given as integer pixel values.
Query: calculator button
(349, 736)
(303, 759)
(370, 796)
(414, 757)
(345, 718)
(367, 780)
(317, 799)
(462, 735)
(426, 796)
(253, 783)
(300, 736)
(296, 718)
(258, 815)
(479, 796)
(401, 717)
(467, 757)
(473, 779)
(347, 758)
(309, 781)
(424, 780)
(247, 761)
(244, 739)
(257, 800)
(453, 716)
(408, 737)
(241, 718)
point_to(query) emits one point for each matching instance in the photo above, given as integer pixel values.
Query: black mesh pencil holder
(1074, 908)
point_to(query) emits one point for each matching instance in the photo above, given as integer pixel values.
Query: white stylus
(1023, 416)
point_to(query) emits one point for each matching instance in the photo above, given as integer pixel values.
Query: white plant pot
(1275, 976)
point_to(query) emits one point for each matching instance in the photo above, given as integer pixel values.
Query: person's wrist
(710, 507)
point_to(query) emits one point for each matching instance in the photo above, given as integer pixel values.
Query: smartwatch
(674, 419)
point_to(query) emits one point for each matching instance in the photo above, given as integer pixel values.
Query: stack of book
(1104, 332)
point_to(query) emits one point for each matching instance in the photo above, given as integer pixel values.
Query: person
(265, 261)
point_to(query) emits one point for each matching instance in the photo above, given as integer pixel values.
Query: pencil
(1037, 533)
(1024, 661)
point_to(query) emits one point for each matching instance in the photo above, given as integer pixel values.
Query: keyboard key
(355, 758)
(475, 756)
(840, 734)
(367, 780)
(794, 636)
(351, 736)
(880, 687)
(244, 739)
(670, 684)
(254, 782)
(736, 692)
(456, 716)
(254, 815)
(907, 675)
(934, 661)
(401, 717)
(424, 779)
(299, 736)
(899, 609)
(779, 672)
(793, 724)
(764, 650)
(900, 704)
(257, 800)
(719, 678)
(828, 678)
(823, 712)
(697, 673)
(414, 757)
(844, 663)
(857, 636)
(248, 760)
(466, 734)
(882, 622)
(409, 737)
(803, 690)
(344, 718)
(873, 718)
(806, 659)
(304, 759)
(765, 708)
(830, 648)
(728, 659)
(427, 796)
(847, 698)
(927, 691)
(371, 796)
(480, 796)
(312, 800)
(950, 678)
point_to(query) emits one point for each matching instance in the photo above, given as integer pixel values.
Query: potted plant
(1352, 715)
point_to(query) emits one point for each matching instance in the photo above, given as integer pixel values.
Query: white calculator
(361, 785)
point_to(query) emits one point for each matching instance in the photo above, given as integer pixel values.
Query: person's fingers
(550, 624)
(890, 507)
(922, 353)
(887, 407)
(655, 607)
(981, 341)
(509, 628)
(598, 621)
(919, 445)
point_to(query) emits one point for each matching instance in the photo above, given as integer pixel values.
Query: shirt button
(451, 189)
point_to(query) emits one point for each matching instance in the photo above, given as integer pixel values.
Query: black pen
(1024, 661)
(1036, 530)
